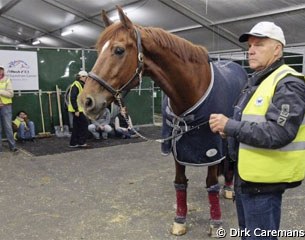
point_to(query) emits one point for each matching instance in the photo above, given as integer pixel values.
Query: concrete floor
(120, 192)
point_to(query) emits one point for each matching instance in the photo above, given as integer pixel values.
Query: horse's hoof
(178, 229)
(213, 231)
(228, 192)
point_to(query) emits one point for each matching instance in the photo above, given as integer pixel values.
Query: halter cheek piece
(138, 72)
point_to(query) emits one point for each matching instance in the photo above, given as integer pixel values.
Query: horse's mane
(184, 49)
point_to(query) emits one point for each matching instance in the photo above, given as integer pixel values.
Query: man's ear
(278, 51)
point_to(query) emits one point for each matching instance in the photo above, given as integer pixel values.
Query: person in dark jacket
(80, 123)
(266, 134)
(123, 125)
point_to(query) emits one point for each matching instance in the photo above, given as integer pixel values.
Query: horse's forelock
(110, 32)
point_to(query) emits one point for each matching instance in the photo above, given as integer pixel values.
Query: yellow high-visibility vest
(261, 165)
(17, 122)
(3, 86)
(80, 89)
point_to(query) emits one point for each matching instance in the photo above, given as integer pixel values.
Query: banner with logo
(21, 67)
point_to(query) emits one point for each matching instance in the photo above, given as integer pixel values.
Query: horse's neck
(183, 82)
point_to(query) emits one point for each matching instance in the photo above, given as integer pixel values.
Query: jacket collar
(258, 77)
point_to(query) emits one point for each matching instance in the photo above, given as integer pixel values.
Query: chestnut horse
(183, 71)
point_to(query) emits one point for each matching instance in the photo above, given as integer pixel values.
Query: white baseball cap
(265, 29)
(83, 73)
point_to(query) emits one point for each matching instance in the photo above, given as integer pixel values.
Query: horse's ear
(106, 19)
(124, 19)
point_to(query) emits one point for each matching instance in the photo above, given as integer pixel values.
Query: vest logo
(259, 101)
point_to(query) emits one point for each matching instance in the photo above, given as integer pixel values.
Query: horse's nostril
(89, 102)
(104, 104)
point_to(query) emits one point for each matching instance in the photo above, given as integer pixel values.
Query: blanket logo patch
(211, 152)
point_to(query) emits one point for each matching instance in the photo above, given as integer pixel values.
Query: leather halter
(138, 72)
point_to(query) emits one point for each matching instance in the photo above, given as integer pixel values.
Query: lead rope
(118, 98)
(160, 140)
(140, 83)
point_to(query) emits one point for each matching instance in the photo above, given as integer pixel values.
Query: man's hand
(76, 114)
(217, 123)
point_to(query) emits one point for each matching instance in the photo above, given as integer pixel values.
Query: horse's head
(117, 68)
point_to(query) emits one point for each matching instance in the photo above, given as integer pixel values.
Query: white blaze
(105, 46)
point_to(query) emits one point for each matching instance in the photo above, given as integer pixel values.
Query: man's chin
(253, 65)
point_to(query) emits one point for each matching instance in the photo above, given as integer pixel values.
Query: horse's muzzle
(93, 107)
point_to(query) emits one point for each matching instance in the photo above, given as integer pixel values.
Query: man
(23, 127)
(6, 95)
(101, 126)
(80, 122)
(267, 134)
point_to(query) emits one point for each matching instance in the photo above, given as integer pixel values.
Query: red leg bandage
(181, 197)
(229, 184)
(215, 212)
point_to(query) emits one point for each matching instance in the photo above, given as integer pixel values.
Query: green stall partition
(90, 58)
(58, 67)
(140, 103)
(158, 98)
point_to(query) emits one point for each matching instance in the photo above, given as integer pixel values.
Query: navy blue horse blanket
(200, 146)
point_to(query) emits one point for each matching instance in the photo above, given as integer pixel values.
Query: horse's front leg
(213, 193)
(179, 226)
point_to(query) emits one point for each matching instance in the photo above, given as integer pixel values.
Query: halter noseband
(138, 72)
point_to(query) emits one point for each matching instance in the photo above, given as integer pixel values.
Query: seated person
(123, 128)
(101, 127)
(23, 128)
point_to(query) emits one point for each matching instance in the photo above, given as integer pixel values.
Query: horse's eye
(119, 51)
